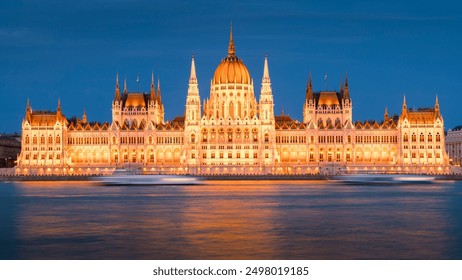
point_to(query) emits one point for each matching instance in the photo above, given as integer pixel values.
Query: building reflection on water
(232, 220)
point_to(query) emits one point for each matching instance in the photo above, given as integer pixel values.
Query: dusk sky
(72, 50)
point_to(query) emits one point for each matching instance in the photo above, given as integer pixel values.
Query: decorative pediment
(311, 125)
(348, 124)
(115, 126)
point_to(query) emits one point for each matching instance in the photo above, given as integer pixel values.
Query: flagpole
(326, 79)
(138, 82)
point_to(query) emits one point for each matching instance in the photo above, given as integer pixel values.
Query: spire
(117, 90)
(153, 90)
(437, 106)
(159, 97)
(266, 76)
(193, 88)
(404, 108)
(192, 76)
(59, 112)
(28, 111)
(231, 51)
(125, 85)
(346, 91)
(84, 116)
(309, 89)
(385, 115)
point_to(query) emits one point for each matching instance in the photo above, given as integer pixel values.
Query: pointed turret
(385, 115)
(153, 90)
(125, 85)
(404, 108)
(266, 95)
(28, 111)
(309, 89)
(59, 112)
(437, 104)
(231, 50)
(159, 97)
(117, 89)
(84, 116)
(192, 76)
(346, 91)
(193, 103)
(193, 88)
(266, 76)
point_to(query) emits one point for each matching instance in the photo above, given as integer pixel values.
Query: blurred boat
(124, 178)
(385, 179)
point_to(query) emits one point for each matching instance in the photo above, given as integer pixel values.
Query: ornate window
(204, 135)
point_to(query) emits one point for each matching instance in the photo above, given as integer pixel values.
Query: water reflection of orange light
(238, 223)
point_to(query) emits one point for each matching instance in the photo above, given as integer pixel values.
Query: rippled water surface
(230, 220)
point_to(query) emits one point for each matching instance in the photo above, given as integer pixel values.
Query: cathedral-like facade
(231, 132)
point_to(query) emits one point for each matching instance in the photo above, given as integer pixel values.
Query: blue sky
(71, 51)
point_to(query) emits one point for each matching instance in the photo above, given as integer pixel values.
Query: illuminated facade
(454, 146)
(231, 132)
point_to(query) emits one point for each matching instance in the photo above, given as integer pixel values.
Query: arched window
(438, 137)
(193, 138)
(230, 135)
(266, 137)
(414, 137)
(213, 133)
(349, 138)
(337, 122)
(58, 139)
(328, 122)
(238, 133)
(221, 133)
(429, 138)
(422, 137)
(27, 140)
(405, 137)
(204, 135)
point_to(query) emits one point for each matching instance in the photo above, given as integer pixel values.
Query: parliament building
(231, 132)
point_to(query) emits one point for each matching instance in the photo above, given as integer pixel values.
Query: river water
(230, 220)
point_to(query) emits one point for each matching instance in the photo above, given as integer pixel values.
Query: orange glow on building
(233, 133)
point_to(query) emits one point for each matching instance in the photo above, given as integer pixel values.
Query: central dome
(231, 69)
